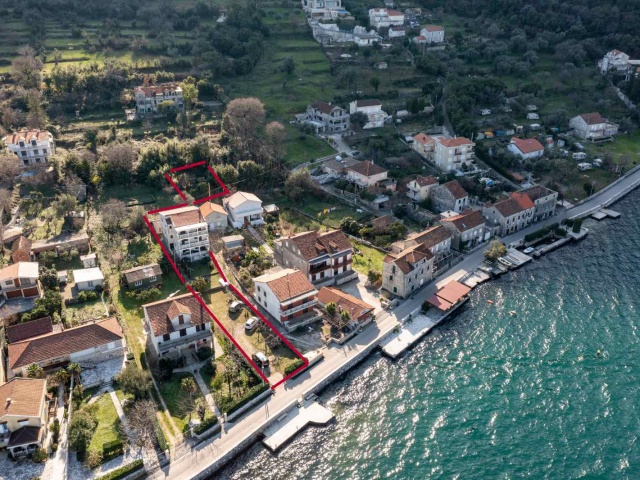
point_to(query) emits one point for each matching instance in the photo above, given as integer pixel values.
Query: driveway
(358, 290)
(339, 144)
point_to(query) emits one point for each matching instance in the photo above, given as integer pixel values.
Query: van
(260, 359)
(579, 156)
(584, 166)
(235, 307)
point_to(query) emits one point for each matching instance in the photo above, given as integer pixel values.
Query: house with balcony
(593, 127)
(359, 311)
(452, 153)
(384, 17)
(175, 325)
(424, 145)
(19, 280)
(467, 229)
(544, 199)
(92, 342)
(615, 61)
(510, 214)
(372, 109)
(185, 233)
(432, 34)
(325, 117)
(419, 189)
(215, 215)
(24, 415)
(324, 8)
(149, 97)
(450, 196)
(325, 258)
(32, 147)
(289, 297)
(244, 209)
(408, 270)
(367, 174)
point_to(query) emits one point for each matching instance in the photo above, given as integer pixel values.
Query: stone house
(408, 270)
(149, 97)
(450, 196)
(510, 214)
(419, 188)
(215, 216)
(593, 126)
(467, 229)
(544, 200)
(143, 276)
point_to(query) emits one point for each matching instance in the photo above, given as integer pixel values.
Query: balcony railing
(189, 338)
(195, 242)
(293, 310)
(321, 267)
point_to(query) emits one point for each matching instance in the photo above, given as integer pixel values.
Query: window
(259, 289)
(44, 150)
(138, 283)
(166, 337)
(36, 152)
(153, 279)
(180, 319)
(90, 283)
(391, 278)
(9, 282)
(395, 289)
(23, 153)
(183, 332)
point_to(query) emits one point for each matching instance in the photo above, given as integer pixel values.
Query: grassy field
(175, 398)
(108, 423)
(367, 259)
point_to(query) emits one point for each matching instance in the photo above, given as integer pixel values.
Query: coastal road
(200, 458)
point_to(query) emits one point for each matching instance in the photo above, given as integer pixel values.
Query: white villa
(383, 17)
(244, 209)
(185, 232)
(31, 146)
(432, 34)
(148, 97)
(372, 109)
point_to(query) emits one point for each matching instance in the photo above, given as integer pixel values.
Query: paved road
(195, 461)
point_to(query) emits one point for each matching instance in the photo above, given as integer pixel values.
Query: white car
(505, 262)
(251, 323)
(528, 250)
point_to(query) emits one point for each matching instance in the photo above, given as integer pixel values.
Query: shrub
(81, 430)
(577, 225)
(93, 459)
(39, 456)
(87, 296)
(165, 369)
(111, 450)
(144, 296)
(229, 405)
(426, 306)
(54, 447)
(208, 422)
(204, 353)
(122, 472)
(134, 381)
(293, 366)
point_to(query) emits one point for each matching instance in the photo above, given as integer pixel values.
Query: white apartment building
(592, 126)
(372, 109)
(614, 60)
(31, 146)
(185, 233)
(149, 97)
(433, 34)
(452, 153)
(383, 17)
(324, 8)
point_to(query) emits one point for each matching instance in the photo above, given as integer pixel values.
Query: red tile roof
(508, 207)
(367, 168)
(54, 345)
(324, 107)
(382, 222)
(368, 103)
(142, 272)
(313, 244)
(406, 259)
(158, 89)
(467, 220)
(537, 191)
(524, 200)
(27, 136)
(183, 217)
(423, 139)
(287, 284)
(431, 236)
(434, 28)
(22, 397)
(527, 145)
(161, 313)
(455, 142)
(426, 181)
(356, 307)
(592, 118)
(456, 189)
(34, 328)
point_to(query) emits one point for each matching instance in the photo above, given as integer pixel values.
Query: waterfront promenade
(209, 456)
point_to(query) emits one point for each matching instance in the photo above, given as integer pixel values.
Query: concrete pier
(407, 335)
(288, 425)
(605, 213)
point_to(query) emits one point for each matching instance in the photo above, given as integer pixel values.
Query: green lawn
(108, 423)
(81, 312)
(368, 259)
(177, 400)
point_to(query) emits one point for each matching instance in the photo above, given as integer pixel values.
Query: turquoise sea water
(491, 396)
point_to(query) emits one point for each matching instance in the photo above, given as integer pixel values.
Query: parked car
(528, 250)
(505, 262)
(235, 307)
(260, 359)
(579, 156)
(251, 324)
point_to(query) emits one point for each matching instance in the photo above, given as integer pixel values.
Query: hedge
(293, 366)
(122, 472)
(162, 441)
(250, 395)
(206, 424)
(111, 450)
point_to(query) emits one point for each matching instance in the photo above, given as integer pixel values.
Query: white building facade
(149, 97)
(244, 209)
(372, 109)
(185, 233)
(32, 147)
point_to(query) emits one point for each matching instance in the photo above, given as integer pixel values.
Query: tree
(275, 138)
(242, 117)
(350, 225)
(331, 308)
(189, 386)
(114, 213)
(375, 83)
(26, 69)
(496, 250)
(288, 66)
(141, 417)
(134, 381)
(74, 370)
(9, 169)
(49, 278)
(200, 284)
(64, 204)
(298, 184)
(81, 430)
(189, 92)
(358, 120)
(61, 376)
(345, 316)
(35, 371)
(116, 166)
(349, 77)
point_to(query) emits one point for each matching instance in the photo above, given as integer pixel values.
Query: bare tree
(26, 68)
(114, 213)
(242, 118)
(9, 169)
(141, 419)
(275, 138)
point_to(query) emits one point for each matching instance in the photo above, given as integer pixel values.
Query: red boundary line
(175, 187)
(225, 191)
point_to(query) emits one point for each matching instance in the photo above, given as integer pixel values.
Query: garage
(14, 294)
(31, 292)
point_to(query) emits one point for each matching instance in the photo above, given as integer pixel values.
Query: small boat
(513, 313)
(490, 302)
